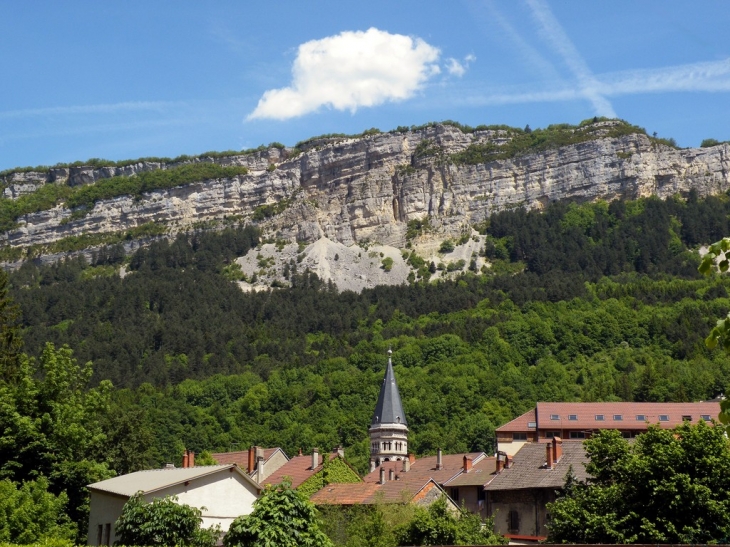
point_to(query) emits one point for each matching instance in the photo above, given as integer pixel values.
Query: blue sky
(121, 80)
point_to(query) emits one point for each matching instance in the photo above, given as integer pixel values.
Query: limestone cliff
(355, 190)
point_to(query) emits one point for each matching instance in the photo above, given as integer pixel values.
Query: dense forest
(583, 302)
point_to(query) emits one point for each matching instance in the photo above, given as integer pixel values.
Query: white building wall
(224, 496)
(105, 510)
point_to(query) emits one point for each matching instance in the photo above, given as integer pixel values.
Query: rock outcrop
(355, 190)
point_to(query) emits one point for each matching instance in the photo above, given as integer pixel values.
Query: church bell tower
(388, 428)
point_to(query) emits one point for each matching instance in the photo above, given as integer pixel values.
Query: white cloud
(556, 36)
(457, 68)
(351, 70)
(91, 109)
(710, 77)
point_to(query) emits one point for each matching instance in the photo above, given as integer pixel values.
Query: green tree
(718, 259)
(282, 517)
(163, 521)
(438, 525)
(29, 513)
(670, 486)
(49, 426)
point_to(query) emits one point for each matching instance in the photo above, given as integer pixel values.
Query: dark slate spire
(389, 409)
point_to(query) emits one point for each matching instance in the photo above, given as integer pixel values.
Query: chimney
(259, 452)
(260, 470)
(557, 449)
(300, 452)
(406, 465)
(467, 463)
(412, 458)
(372, 465)
(501, 457)
(251, 459)
(382, 475)
(340, 451)
(185, 459)
(439, 460)
(191, 459)
(507, 462)
(169, 466)
(315, 457)
(549, 455)
(391, 474)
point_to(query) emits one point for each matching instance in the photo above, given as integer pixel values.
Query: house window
(531, 425)
(577, 434)
(572, 417)
(686, 418)
(600, 417)
(99, 534)
(107, 533)
(626, 434)
(640, 418)
(618, 417)
(454, 494)
(519, 436)
(706, 417)
(481, 494)
(513, 521)
(663, 417)
(552, 434)
(554, 416)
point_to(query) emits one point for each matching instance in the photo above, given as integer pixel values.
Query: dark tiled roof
(425, 468)
(389, 409)
(298, 469)
(585, 415)
(240, 458)
(528, 468)
(479, 475)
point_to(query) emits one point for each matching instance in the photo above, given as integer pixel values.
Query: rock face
(356, 190)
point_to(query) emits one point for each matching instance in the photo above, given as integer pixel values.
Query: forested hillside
(582, 302)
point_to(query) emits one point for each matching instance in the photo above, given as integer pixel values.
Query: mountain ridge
(365, 190)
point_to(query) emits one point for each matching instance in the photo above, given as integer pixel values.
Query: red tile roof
(519, 424)
(425, 468)
(583, 416)
(396, 491)
(298, 469)
(344, 493)
(240, 458)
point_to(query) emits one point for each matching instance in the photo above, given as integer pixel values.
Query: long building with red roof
(577, 421)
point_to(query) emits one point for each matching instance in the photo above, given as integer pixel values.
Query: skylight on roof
(572, 417)
(706, 417)
(618, 417)
(663, 417)
(600, 417)
(640, 418)
(554, 416)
